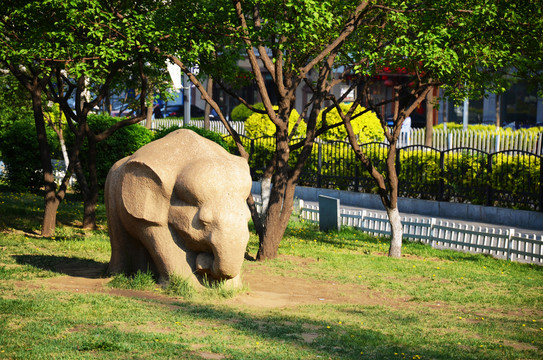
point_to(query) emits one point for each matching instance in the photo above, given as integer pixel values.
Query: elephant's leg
(168, 256)
(128, 255)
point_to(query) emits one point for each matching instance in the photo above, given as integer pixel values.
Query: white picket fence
(488, 141)
(216, 126)
(499, 243)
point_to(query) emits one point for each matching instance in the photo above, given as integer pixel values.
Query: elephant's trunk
(224, 263)
(227, 268)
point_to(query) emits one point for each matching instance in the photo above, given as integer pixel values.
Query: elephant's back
(179, 148)
(185, 152)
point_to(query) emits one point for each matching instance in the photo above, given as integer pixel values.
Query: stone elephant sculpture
(178, 206)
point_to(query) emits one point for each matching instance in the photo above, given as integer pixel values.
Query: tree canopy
(71, 52)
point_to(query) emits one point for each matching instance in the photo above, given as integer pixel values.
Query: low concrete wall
(446, 210)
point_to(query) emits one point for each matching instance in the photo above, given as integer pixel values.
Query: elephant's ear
(143, 193)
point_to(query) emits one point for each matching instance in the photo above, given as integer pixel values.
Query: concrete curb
(467, 212)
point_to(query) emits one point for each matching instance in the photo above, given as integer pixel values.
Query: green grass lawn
(428, 305)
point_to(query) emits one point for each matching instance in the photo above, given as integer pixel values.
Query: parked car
(179, 111)
(123, 112)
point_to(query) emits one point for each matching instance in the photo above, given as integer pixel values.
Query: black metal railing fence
(510, 178)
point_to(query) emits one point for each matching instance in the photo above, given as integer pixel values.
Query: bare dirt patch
(281, 291)
(520, 346)
(309, 337)
(264, 289)
(205, 354)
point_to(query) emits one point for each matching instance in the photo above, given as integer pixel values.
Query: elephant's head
(210, 214)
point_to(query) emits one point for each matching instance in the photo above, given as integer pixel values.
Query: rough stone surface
(178, 206)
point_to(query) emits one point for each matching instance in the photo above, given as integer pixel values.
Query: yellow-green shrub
(419, 172)
(366, 126)
(258, 125)
(515, 173)
(241, 112)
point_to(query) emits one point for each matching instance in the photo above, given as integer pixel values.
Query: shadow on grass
(71, 266)
(333, 340)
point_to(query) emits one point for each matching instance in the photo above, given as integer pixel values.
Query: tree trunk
(86, 193)
(265, 187)
(64, 152)
(207, 109)
(429, 118)
(275, 223)
(149, 117)
(89, 214)
(390, 201)
(273, 233)
(281, 199)
(107, 104)
(89, 189)
(49, 215)
(498, 110)
(395, 249)
(51, 202)
(58, 131)
(90, 201)
(445, 116)
(265, 191)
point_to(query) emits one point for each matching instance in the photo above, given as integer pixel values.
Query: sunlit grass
(138, 281)
(429, 304)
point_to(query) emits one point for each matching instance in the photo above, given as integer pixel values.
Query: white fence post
(433, 222)
(509, 244)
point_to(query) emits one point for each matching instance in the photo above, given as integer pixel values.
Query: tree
(66, 50)
(466, 48)
(22, 24)
(295, 43)
(61, 90)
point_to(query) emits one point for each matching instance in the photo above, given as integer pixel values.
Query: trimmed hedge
(208, 134)
(21, 154)
(258, 125)
(490, 128)
(124, 142)
(512, 179)
(241, 112)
